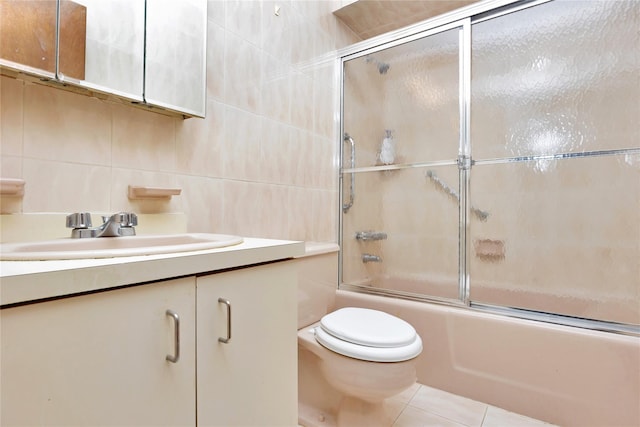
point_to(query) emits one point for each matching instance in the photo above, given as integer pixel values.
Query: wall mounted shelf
(12, 187)
(139, 192)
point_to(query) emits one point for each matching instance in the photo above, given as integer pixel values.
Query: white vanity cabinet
(252, 379)
(100, 359)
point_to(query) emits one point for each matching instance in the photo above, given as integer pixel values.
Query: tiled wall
(262, 163)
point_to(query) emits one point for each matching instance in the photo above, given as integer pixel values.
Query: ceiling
(369, 18)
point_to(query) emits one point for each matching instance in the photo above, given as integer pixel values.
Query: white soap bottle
(387, 149)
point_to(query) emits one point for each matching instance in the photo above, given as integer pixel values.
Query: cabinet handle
(176, 341)
(228, 304)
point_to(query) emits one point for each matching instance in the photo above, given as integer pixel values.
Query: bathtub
(563, 375)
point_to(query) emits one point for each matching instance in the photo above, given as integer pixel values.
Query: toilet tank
(317, 281)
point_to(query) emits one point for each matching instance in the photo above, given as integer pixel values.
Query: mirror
(101, 48)
(176, 55)
(113, 41)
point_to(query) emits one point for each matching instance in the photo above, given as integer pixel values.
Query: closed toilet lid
(370, 335)
(370, 354)
(368, 327)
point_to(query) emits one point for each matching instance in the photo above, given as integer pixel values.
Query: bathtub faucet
(118, 224)
(370, 235)
(370, 258)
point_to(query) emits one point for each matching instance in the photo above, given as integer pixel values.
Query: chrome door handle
(228, 304)
(176, 340)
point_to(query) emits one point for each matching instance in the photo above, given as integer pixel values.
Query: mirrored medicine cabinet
(151, 53)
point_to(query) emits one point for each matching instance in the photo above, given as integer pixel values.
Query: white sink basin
(110, 247)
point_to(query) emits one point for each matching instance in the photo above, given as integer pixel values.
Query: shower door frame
(463, 145)
(462, 18)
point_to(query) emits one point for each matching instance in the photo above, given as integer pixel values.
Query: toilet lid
(368, 327)
(370, 354)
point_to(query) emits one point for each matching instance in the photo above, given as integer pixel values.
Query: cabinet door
(176, 55)
(100, 359)
(252, 379)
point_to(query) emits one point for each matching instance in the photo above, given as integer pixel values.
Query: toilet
(369, 335)
(350, 360)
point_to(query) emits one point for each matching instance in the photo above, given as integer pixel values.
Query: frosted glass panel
(559, 77)
(565, 241)
(412, 226)
(401, 106)
(410, 90)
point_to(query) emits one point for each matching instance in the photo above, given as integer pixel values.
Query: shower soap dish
(12, 187)
(489, 250)
(136, 192)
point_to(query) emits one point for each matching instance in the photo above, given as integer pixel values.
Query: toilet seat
(369, 335)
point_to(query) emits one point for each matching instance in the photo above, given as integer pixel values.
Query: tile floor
(423, 406)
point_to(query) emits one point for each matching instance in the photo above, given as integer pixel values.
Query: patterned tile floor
(423, 406)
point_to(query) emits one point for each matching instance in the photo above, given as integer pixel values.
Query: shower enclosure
(491, 159)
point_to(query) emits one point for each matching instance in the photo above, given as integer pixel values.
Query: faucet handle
(79, 220)
(130, 219)
(124, 219)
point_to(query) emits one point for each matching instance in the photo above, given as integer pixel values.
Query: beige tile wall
(262, 163)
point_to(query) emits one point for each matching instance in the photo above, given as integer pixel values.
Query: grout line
(484, 416)
(414, 393)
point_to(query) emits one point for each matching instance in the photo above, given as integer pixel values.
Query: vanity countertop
(23, 281)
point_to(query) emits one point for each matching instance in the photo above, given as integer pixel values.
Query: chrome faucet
(116, 225)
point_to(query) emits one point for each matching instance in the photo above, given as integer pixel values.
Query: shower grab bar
(352, 194)
(482, 215)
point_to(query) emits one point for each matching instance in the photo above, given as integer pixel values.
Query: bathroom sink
(110, 247)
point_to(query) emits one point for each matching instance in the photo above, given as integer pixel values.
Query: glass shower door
(494, 162)
(555, 93)
(400, 179)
